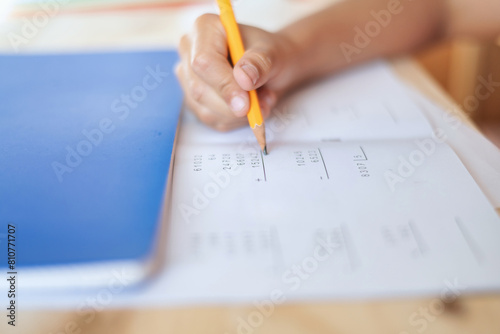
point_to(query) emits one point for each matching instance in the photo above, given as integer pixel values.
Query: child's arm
(315, 46)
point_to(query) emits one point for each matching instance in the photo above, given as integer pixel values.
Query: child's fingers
(205, 103)
(255, 68)
(215, 92)
(267, 100)
(209, 62)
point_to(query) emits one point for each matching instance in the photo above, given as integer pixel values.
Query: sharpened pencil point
(264, 150)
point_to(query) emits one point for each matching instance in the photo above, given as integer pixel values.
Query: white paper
(348, 204)
(480, 156)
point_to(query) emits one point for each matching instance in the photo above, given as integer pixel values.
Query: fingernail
(251, 71)
(237, 105)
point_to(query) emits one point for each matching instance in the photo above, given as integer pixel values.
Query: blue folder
(85, 147)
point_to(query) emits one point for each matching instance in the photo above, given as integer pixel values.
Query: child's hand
(217, 93)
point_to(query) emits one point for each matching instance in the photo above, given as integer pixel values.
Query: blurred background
(456, 66)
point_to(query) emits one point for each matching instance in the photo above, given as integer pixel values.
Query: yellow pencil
(236, 50)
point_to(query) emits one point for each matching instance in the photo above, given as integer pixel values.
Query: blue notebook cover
(85, 148)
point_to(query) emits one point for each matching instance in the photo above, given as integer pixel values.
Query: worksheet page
(358, 198)
(338, 219)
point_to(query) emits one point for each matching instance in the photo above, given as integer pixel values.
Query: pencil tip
(264, 150)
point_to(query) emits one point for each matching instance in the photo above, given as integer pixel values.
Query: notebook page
(380, 224)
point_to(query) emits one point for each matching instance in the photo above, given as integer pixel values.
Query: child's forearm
(354, 31)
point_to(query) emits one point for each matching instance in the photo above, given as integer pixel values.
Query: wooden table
(470, 314)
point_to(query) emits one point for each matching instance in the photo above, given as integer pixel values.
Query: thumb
(254, 69)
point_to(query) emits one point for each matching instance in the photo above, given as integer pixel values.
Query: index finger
(209, 60)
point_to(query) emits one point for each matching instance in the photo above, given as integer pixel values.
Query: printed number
(363, 169)
(299, 158)
(313, 156)
(197, 162)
